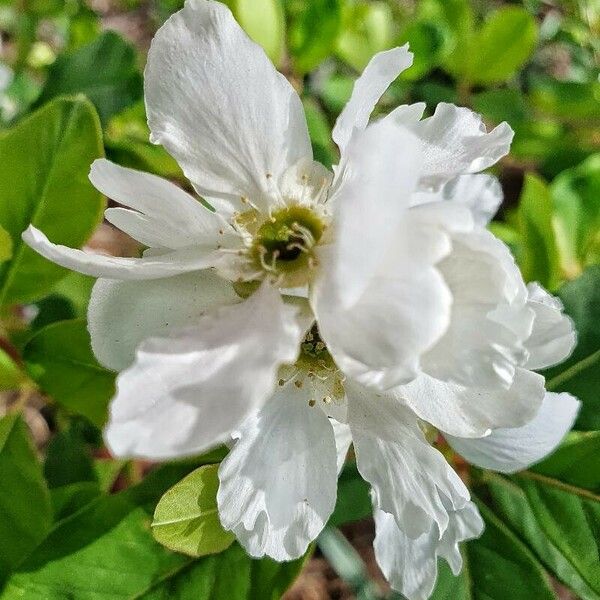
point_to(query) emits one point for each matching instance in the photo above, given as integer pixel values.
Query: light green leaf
(187, 518)
(313, 31)
(538, 256)
(6, 245)
(25, 511)
(320, 133)
(576, 198)
(580, 373)
(113, 87)
(11, 375)
(502, 46)
(44, 181)
(59, 358)
(264, 22)
(366, 30)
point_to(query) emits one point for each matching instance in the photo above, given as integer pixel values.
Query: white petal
(217, 104)
(122, 314)
(553, 337)
(369, 203)
(114, 267)
(188, 391)
(403, 311)
(510, 450)
(490, 317)
(411, 480)
(456, 142)
(306, 182)
(407, 114)
(278, 484)
(473, 411)
(482, 194)
(381, 71)
(410, 565)
(343, 439)
(163, 215)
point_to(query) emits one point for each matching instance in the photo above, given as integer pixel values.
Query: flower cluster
(308, 310)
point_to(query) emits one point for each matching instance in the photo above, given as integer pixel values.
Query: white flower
(310, 309)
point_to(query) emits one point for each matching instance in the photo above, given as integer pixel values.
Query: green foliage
(46, 159)
(186, 519)
(580, 374)
(60, 360)
(115, 86)
(25, 512)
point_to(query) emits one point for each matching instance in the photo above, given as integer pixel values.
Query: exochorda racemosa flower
(307, 310)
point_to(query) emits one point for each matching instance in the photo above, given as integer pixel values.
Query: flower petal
(217, 104)
(114, 267)
(410, 565)
(163, 215)
(278, 483)
(472, 411)
(122, 314)
(510, 450)
(455, 142)
(381, 71)
(482, 194)
(553, 337)
(411, 480)
(403, 311)
(189, 390)
(343, 439)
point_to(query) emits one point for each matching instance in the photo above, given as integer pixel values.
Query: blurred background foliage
(71, 90)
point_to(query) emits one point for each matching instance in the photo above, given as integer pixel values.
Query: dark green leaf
(59, 358)
(69, 499)
(25, 511)
(353, 500)
(44, 181)
(187, 519)
(580, 374)
(114, 86)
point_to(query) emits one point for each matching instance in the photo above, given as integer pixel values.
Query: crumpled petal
(455, 142)
(122, 314)
(157, 266)
(381, 71)
(490, 320)
(404, 310)
(278, 483)
(189, 390)
(482, 194)
(410, 565)
(553, 337)
(511, 450)
(217, 104)
(472, 412)
(163, 215)
(411, 480)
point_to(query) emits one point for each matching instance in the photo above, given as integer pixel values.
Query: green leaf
(320, 133)
(576, 197)
(25, 511)
(502, 46)
(494, 564)
(187, 518)
(428, 40)
(6, 245)
(106, 551)
(70, 498)
(264, 22)
(11, 375)
(534, 511)
(580, 373)
(570, 100)
(367, 29)
(538, 257)
(575, 461)
(113, 87)
(59, 358)
(44, 181)
(313, 31)
(353, 500)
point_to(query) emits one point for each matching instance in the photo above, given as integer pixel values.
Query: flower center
(283, 244)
